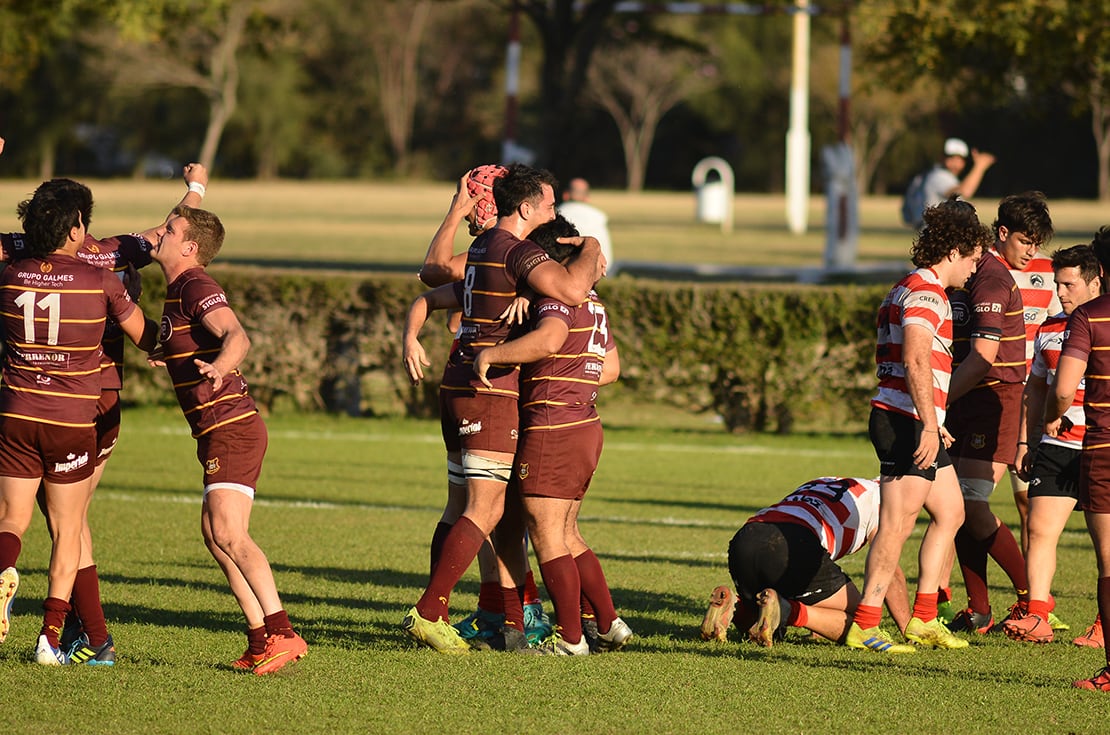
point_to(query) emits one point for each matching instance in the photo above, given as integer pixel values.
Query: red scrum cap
(479, 183)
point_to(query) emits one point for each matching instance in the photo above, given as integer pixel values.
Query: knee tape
(455, 474)
(974, 488)
(484, 468)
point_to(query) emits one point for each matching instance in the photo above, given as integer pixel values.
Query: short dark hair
(1028, 213)
(950, 225)
(56, 207)
(1078, 256)
(1100, 244)
(546, 237)
(521, 184)
(205, 229)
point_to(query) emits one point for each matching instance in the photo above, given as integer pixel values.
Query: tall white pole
(797, 137)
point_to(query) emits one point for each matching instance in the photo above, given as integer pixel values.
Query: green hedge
(765, 358)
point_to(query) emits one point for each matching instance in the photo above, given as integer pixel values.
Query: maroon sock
(587, 609)
(438, 537)
(944, 594)
(489, 597)
(256, 640)
(972, 554)
(459, 550)
(54, 617)
(1104, 605)
(278, 624)
(560, 577)
(1005, 551)
(514, 609)
(86, 605)
(10, 546)
(531, 591)
(595, 588)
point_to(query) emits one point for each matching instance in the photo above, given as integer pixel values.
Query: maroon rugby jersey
(115, 254)
(496, 265)
(560, 391)
(1088, 338)
(990, 307)
(184, 338)
(54, 313)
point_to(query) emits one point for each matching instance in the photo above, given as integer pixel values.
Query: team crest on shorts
(522, 471)
(978, 441)
(212, 466)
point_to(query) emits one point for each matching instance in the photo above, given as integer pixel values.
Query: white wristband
(198, 187)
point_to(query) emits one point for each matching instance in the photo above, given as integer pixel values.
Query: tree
(1012, 48)
(637, 84)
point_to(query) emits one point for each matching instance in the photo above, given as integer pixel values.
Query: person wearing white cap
(943, 181)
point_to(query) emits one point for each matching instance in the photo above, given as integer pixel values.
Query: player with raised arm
(783, 564)
(563, 360)
(480, 423)
(55, 308)
(1051, 463)
(906, 427)
(202, 344)
(123, 255)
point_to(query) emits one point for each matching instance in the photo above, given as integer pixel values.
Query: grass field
(388, 224)
(345, 511)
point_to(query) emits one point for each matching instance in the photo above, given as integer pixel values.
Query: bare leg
(1046, 521)
(225, 519)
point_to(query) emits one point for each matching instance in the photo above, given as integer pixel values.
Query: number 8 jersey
(54, 311)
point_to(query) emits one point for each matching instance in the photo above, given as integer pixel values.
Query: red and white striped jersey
(842, 511)
(918, 299)
(1046, 356)
(1037, 283)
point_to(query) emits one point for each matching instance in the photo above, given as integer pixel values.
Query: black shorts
(895, 437)
(786, 557)
(1055, 472)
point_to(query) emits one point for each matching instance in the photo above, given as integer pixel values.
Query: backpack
(913, 203)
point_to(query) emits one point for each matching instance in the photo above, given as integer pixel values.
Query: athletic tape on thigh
(455, 474)
(484, 468)
(974, 488)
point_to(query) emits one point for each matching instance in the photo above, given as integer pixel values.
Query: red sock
(595, 588)
(256, 640)
(514, 608)
(278, 624)
(54, 617)
(799, 614)
(972, 554)
(85, 602)
(1051, 602)
(1039, 608)
(438, 537)
(489, 597)
(925, 606)
(1005, 551)
(868, 616)
(531, 591)
(10, 546)
(560, 577)
(459, 549)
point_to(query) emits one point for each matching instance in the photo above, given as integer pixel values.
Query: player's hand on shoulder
(517, 311)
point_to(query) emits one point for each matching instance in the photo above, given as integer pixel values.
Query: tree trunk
(48, 156)
(1100, 127)
(224, 81)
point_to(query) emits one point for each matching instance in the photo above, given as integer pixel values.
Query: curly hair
(205, 229)
(546, 237)
(1028, 213)
(520, 184)
(950, 225)
(56, 207)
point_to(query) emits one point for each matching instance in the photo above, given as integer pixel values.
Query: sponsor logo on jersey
(212, 466)
(73, 462)
(469, 429)
(988, 308)
(165, 329)
(960, 314)
(46, 267)
(1037, 280)
(513, 434)
(107, 450)
(93, 249)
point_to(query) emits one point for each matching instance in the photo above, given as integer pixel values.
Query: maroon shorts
(232, 455)
(984, 423)
(60, 454)
(107, 424)
(478, 421)
(558, 464)
(1094, 473)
